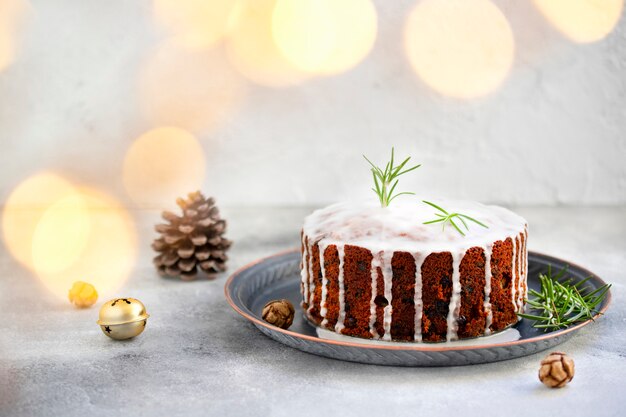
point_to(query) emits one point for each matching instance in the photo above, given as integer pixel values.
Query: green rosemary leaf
(560, 303)
(455, 226)
(376, 183)
(399, 194)
(399, 167)
(550, 326)
(434, 221)
(374, 167)
(449, 218)
(474, 220)
(385, 181)
(530, 316)
(583, 282)
(409, 169)
(435, 206)
(463, 221)
(600, 291)
(534, 303)
(393, 187)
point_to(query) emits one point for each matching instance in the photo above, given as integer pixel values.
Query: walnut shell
(557, 369)
(280, 313)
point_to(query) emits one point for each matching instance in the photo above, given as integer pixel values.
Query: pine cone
(192, 241)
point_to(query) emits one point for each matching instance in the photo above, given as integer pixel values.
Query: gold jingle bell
(123, 318)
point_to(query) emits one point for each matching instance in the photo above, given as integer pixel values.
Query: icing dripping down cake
(381, 273)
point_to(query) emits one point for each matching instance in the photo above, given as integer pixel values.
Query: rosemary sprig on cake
(444, 218)
(560, 303)
(384, 184)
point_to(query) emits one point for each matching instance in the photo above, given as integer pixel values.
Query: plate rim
(409, 347)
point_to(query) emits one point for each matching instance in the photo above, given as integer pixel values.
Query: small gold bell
(123, 318)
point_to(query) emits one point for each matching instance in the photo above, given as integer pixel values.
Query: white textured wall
(554, 133)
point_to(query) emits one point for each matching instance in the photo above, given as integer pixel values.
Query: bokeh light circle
(251, 48)
(12, 16)
(162, 164)
(61, 234)
(24, 208)
(195, 24)
(582, 21)
(7, 51)
(192, 89)
(324, 36)
(101, 247)
(65, 233)
(460, 48)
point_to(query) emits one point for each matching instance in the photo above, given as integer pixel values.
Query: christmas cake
(381, 273)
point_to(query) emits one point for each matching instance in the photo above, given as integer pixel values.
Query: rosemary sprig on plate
(560, 303)
(444, 218)
(384, 184)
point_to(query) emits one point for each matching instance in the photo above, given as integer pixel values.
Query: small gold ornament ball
(557, 369)
(123, 318)
(82, 294)
(279, 313)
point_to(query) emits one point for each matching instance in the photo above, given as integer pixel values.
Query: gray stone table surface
(198, 357)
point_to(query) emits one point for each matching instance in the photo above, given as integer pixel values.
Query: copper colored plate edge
(409, 347)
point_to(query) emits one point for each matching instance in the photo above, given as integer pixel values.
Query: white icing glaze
(374, 275)
(311, 278)
(519, 273)
(387, 279)
(304, 272)
(513, 272)
(419, 305)
(400, 226)
(455, 299)
(488, 249)
(342, 295)
(525, 263)
(323, 309)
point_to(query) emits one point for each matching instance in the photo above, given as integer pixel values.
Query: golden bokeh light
(192, 89)
(195, 23)
(324, 36)
(582, 21)
(85, 237)
(7, 51)
(252, 50)
(161, 164)
(12, 14)
(460, 48)
(24, 209)
(66, 234)
(61, 234)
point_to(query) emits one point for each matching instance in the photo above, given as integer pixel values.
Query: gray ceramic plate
(278, 276)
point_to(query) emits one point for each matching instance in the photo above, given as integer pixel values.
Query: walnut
(279, 313)
(557, 369)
